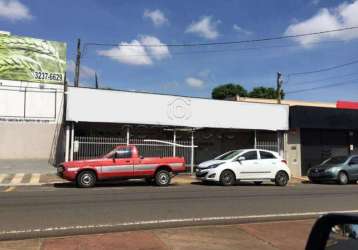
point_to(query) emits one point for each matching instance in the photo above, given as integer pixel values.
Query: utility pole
(78, 62)
(96, 80)
(279, 87)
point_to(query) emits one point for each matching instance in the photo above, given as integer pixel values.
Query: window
(124, 153)
(354, 160)
(266, 155)
(228, 155)
(119, 153)
(251, 155)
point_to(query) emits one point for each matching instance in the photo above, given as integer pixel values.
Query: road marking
(2, 177)
(9, 189)
(17, 179)
(170, 221)
(35, 178)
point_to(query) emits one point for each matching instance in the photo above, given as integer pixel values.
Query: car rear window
(267, 155)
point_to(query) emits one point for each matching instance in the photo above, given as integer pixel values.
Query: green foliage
(265, 92)
(228, 90)
(231, 90)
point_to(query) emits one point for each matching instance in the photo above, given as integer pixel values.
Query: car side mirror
(334, 231)
(241, 158)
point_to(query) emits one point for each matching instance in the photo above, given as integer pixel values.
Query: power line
(324, 86)
(322, 79)
(323, 69)
(230, 50)
(218, 43)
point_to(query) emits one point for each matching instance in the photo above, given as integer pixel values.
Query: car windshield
(229, 155)
(335, 160)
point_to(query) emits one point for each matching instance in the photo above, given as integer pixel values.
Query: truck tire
(281, 179)
(162, 178)
(86, 179)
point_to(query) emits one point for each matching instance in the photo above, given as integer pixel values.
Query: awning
(95, 105)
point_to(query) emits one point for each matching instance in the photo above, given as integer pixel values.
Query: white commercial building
(96, 117)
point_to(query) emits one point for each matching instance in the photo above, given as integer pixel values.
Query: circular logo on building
(179, 108)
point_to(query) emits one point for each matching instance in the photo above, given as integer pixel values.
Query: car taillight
(284, 161)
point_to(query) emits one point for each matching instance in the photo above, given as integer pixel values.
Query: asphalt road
(64, 210)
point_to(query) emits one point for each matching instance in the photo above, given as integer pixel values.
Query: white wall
(93, 105)
(27, 101)
(30, 121)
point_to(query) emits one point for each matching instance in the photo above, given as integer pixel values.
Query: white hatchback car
(254, 165)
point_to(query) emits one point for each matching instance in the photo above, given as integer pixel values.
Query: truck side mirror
(114, 156)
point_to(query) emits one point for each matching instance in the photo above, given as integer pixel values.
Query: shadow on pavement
(126, 183)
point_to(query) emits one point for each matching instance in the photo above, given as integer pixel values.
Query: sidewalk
(261, 236)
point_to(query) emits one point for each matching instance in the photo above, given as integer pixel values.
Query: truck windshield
(229, 155)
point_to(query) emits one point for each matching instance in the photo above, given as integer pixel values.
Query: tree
(228, 90)
(264, 92)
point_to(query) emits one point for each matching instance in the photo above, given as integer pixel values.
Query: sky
(130, 25)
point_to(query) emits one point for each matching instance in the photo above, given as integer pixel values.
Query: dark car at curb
(340, 169)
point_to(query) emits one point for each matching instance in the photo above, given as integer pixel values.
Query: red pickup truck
(123, 162)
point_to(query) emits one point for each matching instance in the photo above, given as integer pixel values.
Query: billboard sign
(31, 59)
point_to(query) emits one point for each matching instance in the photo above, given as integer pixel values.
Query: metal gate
(89, 147)
(268, 145)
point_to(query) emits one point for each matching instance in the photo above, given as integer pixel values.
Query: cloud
(205, 27)
(238, 29)
(160, 51)
(156, 16)
(14, 10)
(136, 53)
(345, 15)
(85, 71)
(194, 82)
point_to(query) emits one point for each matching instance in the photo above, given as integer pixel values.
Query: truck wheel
(162, 178)
(227, 178)
(86, 179)
(343, 178)
(281, 179)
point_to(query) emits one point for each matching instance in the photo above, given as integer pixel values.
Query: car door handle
(127, 161)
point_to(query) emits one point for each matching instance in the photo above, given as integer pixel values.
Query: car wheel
(227, 178)
(281, 179)
(162, 178)
(258, 182)
(86, 179)
(343, 178)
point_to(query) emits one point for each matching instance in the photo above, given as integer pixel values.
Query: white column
(192, 152)
(174, 142)
(255, 140)
(67, 149)
(72, 140)
(128, 135)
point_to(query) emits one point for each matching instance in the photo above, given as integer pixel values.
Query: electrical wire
(220, 43)
(321, 79)
(323, 69)
(353, 81)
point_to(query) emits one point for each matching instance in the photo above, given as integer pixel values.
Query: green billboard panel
(33, 60)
